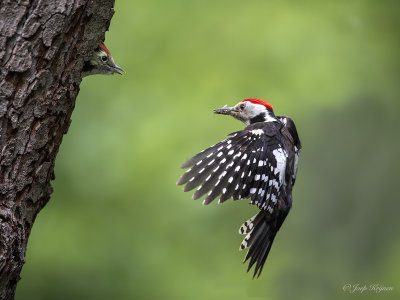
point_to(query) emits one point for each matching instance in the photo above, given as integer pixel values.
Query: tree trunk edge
(43, 45)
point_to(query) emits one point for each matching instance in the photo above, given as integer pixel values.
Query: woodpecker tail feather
(260, 232)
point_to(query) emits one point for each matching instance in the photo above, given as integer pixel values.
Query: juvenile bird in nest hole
(101, 62)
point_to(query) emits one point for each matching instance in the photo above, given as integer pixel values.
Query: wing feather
(216, 171)
(245, 176)
(245, 165)
(203, 154)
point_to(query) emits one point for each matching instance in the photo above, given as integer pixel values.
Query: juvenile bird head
(101, 62)
(250, 111)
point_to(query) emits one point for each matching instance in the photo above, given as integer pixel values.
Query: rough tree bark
(43, 44)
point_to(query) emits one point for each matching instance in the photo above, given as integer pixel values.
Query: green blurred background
(117, 226)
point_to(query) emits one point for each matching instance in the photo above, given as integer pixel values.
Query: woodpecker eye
(104, 58)
(242, 106)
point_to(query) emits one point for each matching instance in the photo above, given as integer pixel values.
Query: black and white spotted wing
(249, 164)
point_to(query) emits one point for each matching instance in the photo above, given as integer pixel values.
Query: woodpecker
(257, 163)
(101, 62)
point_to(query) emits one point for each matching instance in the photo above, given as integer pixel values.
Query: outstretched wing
(249, 164)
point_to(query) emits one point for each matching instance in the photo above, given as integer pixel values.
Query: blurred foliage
(117, 226)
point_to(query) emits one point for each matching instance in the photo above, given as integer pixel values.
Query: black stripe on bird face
(267, 116)
(258, 118)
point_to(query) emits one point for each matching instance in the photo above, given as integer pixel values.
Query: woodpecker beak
(118, 70)
(224, 110)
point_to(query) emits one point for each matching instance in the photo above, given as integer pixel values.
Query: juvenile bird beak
(118, 70)
(224, 110)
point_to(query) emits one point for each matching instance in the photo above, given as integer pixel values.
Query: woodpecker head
(250, 111)
(101, 62)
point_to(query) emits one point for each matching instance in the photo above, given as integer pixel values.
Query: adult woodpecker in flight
(101, 62)
(259, 163)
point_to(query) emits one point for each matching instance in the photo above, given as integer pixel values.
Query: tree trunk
(43, 44)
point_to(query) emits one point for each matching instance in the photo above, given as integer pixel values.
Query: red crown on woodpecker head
(259, 101)
(104, 48)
